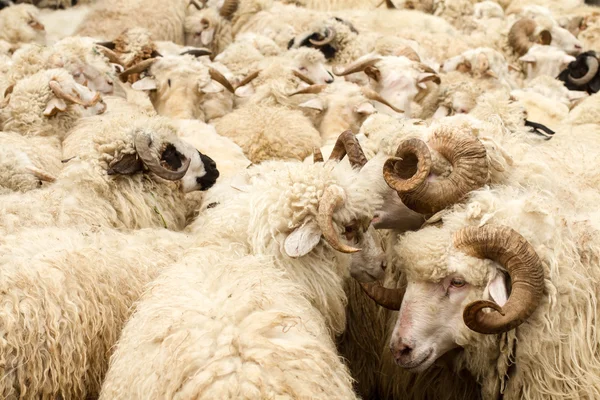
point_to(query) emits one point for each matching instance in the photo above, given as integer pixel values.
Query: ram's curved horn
(347, 143)
(387, 298)
(410, 167)
(61, 94)
(333, 198)
(142, 146)
(329, 36)
(469, 172)
(373, 95)
(511, 250)
(219, 77)
(592, 64)
(358, 66)
(197, 5)
(136, 69)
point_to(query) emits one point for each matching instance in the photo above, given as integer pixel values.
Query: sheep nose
(578, 47)
(402, 351)
(330, 79)
(383, 265)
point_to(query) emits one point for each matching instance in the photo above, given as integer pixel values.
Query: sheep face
(310, 63)
(200, 29)
(201, 175)
(24, 24)
(453, 279)
(545, 60)
(176, 86)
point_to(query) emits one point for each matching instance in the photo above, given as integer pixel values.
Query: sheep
(38, 113)
(20, 24)
(91, 188)
(77, 55)
(333, 5)
(107, 17)
(66, 293)
(545, 60)
(289, 253)
(244, 55)
(210, 28)
(526, 32)
(471, 251)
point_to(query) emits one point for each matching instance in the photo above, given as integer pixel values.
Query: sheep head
(545, 60)
(581, 74)
(172, 160)
(367, 259)
(526, 32)
(443, 309)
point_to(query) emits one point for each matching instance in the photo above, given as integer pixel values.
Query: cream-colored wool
(20, 24)
(65, 295)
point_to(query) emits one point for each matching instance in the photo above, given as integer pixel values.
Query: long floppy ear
(303, 239)
(146, 83)
(497, 289)
(54, 106)
(126, 165)
(313, 104)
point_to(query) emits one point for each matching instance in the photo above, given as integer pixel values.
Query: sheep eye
(169, 82)
(458, 282)
(303, 69)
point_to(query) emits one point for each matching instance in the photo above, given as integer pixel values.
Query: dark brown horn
(312, 89)
(511, 250)
(358, 66)
(387, 298)
(228, 8)
(592, 64)
(333, 198)
(303, 77)
(136, 69)
(219, 77)
(142, 146)
(199, 52)
(108, 45)
(468, 158)
(389, 4)
(347, 143)
(329, 36)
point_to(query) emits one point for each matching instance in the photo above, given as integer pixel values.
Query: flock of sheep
(299, 199)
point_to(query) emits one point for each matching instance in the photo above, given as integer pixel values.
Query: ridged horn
(511, 250)
(249, 78)
(312, 89)
(317, 155)
(303, 77)
(410, 167)
(466, 154)
(373, 95)
(228, 8)
(347, 143)
(61, 94)
(333, 198)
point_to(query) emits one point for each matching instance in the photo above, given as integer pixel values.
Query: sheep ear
(497, 289)
(365, 108)
(144, 84)
(545, 37)
(313, 104)
(302, 240)
(54, 106)
(244, 91)
(528, 58)
(206, 37)
(212, 87)
(126, 165)
(373, 73)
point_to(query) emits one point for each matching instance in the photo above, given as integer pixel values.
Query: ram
(273, 300)
(502, 238)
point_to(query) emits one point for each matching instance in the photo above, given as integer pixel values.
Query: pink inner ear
(497, 289)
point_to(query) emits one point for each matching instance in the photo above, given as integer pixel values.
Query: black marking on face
(212, 173)
(172, 157)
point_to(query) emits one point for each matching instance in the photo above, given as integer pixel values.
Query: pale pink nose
(402, 351)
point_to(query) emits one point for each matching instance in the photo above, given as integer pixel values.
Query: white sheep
(20, 24)
(288, 201)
